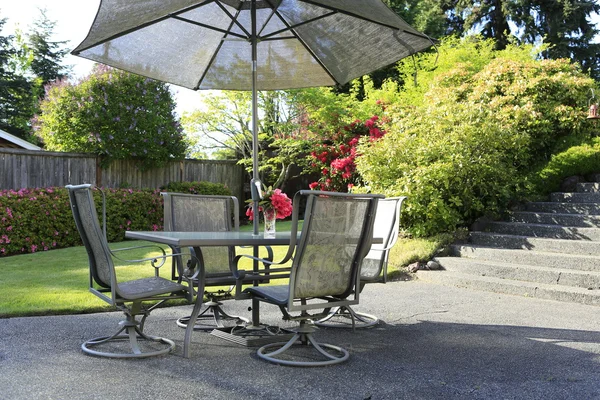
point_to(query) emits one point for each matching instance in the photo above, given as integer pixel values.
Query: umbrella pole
(256, 189)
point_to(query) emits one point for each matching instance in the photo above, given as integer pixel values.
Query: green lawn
(56, 281)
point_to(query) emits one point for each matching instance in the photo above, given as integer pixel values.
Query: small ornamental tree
(113, 114)
(335, 157)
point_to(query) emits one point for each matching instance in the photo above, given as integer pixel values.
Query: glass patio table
(203, 239)
(200, 239)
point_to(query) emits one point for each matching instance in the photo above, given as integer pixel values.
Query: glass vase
(270, 217)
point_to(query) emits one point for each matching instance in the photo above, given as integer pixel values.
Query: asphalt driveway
(434, 342)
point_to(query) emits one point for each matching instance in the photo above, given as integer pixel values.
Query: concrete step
(515, 287)
(544, 230)
(564, 208)
(575, 262)
(499, 240)
(557, 274)
(588, 187)
(579, 220)
(575, 197)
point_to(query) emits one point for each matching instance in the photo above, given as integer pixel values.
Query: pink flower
(313, 185)
(250, 212)
(281, 203)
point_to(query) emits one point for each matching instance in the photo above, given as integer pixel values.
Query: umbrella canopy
(208, 44)
(249, 44)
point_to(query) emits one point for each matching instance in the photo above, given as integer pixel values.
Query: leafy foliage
(563, 25)
(198, 187)
(466, 148)
(582, 159)
(335, 158)
(41, 55)
(113, 114)
(16, 104)
(28, 61)
(224, 126)
(33, 220)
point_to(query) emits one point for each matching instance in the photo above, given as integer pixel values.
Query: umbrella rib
(208, 27)
(363, 17)
(292, 27)
(266, 22)
(212, 58)
(306, 46)
(233, 19)
(138, 27)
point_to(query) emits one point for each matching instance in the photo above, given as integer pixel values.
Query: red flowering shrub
(334, 159)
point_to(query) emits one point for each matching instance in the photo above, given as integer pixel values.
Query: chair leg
(303, 338)
(215, 316)
(133, 333)
(346, 317)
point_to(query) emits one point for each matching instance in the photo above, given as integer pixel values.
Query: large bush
(34, 220)
(464, 151)
(113, 114)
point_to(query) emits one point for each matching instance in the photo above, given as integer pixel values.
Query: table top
(183, 239)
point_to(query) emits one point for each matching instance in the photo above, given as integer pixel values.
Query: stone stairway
(551, 250)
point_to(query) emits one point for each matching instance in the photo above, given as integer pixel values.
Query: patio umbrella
(249, 44)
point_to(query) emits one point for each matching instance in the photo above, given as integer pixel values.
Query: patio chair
(374, 266)
(198, 213)
(130, 341)
(336, 236)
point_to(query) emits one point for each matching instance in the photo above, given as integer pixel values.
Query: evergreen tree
(46, 55)
(564, 25)
(15, 90)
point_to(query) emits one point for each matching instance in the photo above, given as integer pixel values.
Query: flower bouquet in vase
(274, 205)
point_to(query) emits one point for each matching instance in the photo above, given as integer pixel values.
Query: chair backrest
(102, 271)
(336, 236)
(200, 213)
(386, 226)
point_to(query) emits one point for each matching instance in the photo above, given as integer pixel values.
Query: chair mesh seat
(146, 287)
(275, 294)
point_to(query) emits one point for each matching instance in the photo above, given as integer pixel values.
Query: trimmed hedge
(40, 219)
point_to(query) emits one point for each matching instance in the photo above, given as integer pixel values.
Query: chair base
(304, 340)
(139, 344)
(346, 317)
(215, 317)
(297, 341)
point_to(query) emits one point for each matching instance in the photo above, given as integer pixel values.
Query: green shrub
(34, 220)
(577, 160)
(40, 219)
(198, 187)
(466, 151)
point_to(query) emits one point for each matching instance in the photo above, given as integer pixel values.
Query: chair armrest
(163, 256)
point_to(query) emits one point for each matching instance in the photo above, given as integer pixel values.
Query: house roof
(11, 141)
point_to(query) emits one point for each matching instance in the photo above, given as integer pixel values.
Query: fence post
(98, 172)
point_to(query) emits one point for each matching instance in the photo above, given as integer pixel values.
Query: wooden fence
(30, 169)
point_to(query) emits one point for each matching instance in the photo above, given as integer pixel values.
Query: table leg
(255, 302)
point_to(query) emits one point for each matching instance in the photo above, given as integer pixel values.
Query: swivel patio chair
(130, 341)
(374, 266)
(336, 236)
(199, 213)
